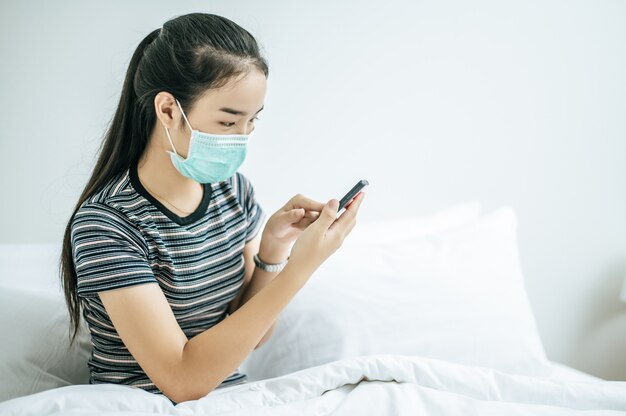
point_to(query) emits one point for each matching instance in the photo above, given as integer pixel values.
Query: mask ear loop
(184, 116)
(170, 139)
(168, 132)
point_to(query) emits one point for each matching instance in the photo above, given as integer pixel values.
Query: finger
(311, 216)
(301, 201)
(352, 200)
(295, 215)
(349, 214)
(355, 203)
(328, 215)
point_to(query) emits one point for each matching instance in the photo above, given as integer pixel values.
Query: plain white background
(511, 103)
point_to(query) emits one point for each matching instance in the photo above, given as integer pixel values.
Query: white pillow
(390, 230)
(403, 228)
(31, 266)
(34, 354)
(456, 295)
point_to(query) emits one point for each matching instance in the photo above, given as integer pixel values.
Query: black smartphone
(352, 193)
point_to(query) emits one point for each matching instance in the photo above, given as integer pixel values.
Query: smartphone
(352, 193)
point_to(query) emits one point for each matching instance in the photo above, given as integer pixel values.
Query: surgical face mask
(211, 157)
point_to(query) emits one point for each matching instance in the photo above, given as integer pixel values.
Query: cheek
(182, 142)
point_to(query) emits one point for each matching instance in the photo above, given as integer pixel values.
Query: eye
(232, 123)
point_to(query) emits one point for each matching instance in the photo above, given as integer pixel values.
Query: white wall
(519, 103)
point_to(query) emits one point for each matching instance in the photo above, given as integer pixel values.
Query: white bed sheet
(375, 384)
(557, 371)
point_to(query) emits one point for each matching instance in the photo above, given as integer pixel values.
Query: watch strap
(277, 267)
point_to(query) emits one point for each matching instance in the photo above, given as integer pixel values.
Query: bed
(421, 315)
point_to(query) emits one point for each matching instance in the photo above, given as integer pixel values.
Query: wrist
(303, 269)
(272, 252)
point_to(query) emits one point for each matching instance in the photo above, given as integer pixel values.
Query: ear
(166, 109)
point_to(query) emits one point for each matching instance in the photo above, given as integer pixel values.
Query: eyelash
(233, 123)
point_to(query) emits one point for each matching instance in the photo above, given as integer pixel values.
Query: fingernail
(333, 203)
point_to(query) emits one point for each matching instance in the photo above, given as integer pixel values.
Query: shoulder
(114, 190)
(244, 190)
(99, 226)
(112, 200)
(240, 181)
(104, 212)
(243, 186)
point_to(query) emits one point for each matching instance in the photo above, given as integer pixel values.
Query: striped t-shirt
(123, 236)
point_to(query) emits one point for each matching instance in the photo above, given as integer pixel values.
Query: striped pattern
(123, 236)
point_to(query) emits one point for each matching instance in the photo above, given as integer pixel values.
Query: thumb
(296, 215)
(292, 216)
(328, 214)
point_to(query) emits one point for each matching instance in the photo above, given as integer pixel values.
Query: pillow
(34, 354)
(456, 295)
(31, 266)
(395, 229)
(398, 229)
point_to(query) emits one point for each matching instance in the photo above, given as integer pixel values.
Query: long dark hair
(189, 55)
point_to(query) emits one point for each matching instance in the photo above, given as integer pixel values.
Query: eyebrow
(237, 112)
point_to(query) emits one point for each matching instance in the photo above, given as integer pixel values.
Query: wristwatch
(269, 267)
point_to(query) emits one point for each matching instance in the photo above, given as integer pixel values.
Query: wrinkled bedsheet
(384, 384)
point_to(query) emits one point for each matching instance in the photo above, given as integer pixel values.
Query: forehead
(245, 93)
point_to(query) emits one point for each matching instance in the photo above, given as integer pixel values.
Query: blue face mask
(211, 157)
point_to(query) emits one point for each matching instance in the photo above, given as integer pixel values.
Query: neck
(159, 176)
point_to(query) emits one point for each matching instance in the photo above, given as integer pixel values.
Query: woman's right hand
(325, 235)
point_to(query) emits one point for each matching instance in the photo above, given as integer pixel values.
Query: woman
(163, 253)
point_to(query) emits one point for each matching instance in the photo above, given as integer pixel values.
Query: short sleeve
(108, 251)
(255, 216)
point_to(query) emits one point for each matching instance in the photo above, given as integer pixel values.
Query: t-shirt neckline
(194, 216)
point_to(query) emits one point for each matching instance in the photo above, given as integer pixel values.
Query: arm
(256, 279)
(189, 369)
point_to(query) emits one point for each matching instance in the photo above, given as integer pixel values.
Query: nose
(247, 128)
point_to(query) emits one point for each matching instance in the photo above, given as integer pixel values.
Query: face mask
(211, 157)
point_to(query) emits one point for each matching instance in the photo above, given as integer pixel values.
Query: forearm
(211, 356)
(261, 278)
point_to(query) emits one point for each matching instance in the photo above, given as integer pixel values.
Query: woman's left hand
(286, 224)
